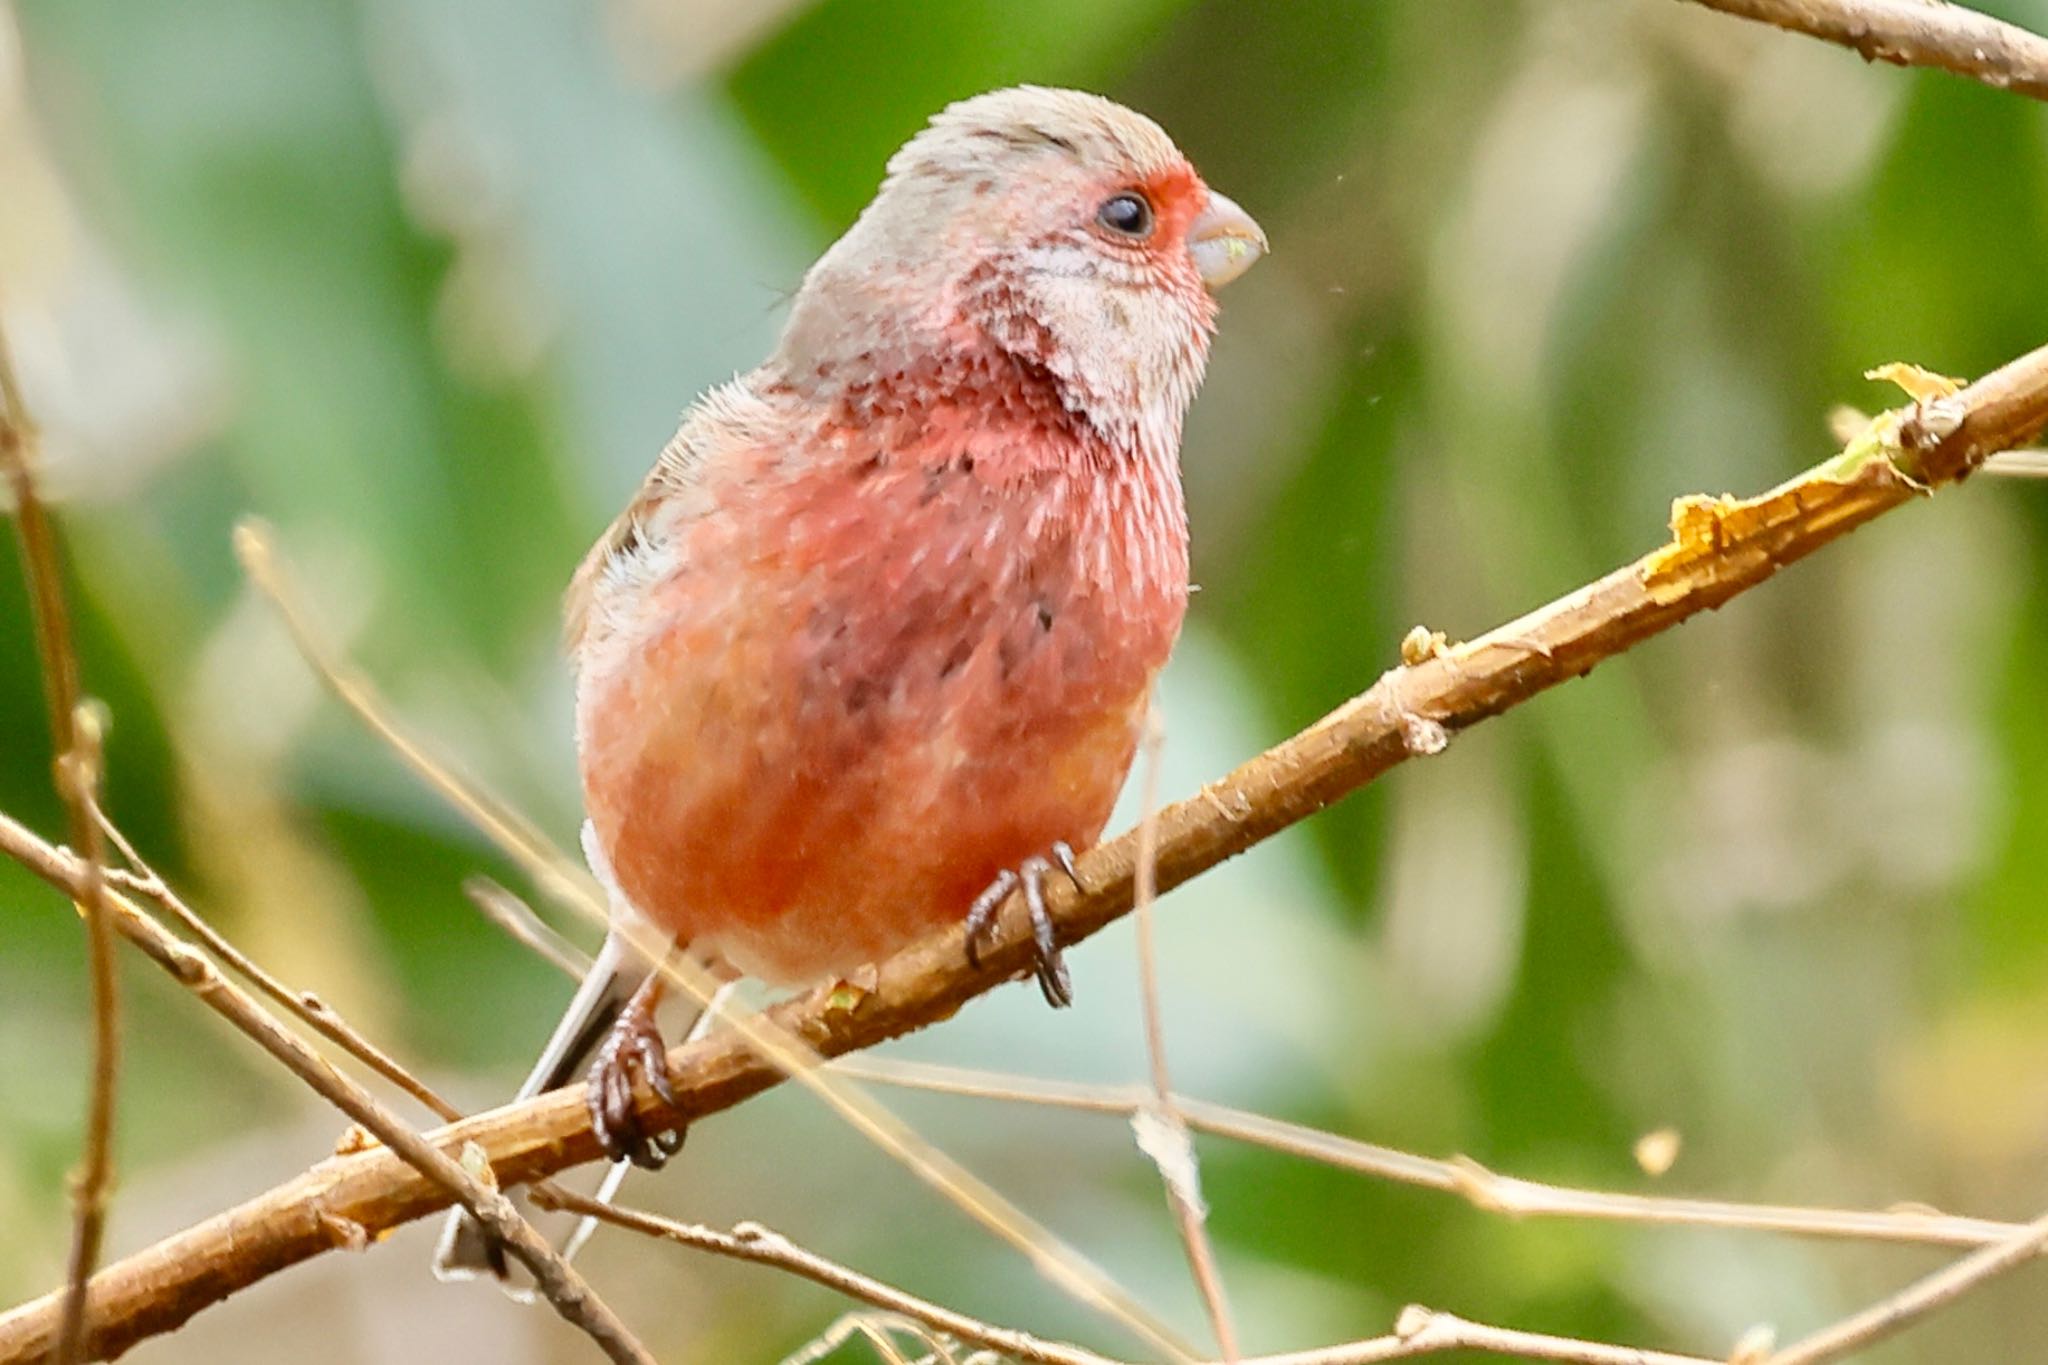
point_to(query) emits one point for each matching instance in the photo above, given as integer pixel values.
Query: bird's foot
(632, 1049)
(1029, 875)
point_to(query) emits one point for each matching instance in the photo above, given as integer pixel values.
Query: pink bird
(871, 647)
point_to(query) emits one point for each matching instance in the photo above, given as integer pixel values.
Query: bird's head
(1056, 226)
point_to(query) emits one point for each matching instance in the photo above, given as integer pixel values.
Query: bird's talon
(1053, 978)
(1063, 854)
(633, 1046)
(981, 916)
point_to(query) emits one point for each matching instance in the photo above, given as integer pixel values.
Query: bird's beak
(1224, 241)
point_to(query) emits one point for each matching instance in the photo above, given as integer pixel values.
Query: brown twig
(524, 927)
(1419, 1332)
(1163, 1131)
(1720, 548)
(1913, 33)
(75, 742)
(1917, 1300)
(762, 1246)
(1482, 1188)
(256, 548)
(1424, 1331)
(143, 880)
(28, 1334)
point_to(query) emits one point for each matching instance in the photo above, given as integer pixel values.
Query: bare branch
(317, 1013)
(1913, 33)
(75, 741)
(752, 1242)
(1919, 1299)
(524, 927)
(1162, 1119)
(1721, 547)
(1424, 1331)
(1419, 1332)
(1478, 1186)
(111, 1324)
(565, 881)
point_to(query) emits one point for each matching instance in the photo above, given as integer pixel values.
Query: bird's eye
(1128, 215)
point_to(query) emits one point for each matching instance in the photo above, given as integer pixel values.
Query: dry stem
(143, 880)
(1482, 1188)
(1913, 33)
(1419, 1332)
(752, 1242)
(75, 743)
(28, 1333)
(1918, 1299)
(1177, 1167)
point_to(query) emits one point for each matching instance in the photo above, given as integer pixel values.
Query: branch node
(188, 964)
(346, 1233)
(1477, 1185)
(1413, 1321)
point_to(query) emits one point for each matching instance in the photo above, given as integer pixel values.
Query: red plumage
(883, 621)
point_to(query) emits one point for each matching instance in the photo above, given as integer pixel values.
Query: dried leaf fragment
(1656, 1152)
(1921, 385)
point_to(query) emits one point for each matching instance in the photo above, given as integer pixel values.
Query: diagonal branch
(1720, 547)
(29, 1334)
(1484, 1189)
(1914, 33)
(1918, 1299)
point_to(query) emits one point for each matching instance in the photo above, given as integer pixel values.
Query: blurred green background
(426, 283)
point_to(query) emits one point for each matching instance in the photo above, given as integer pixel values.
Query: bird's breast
(871, 684)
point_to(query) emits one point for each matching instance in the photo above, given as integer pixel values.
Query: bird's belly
(801, 807)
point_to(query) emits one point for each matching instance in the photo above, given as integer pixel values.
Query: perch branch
(75, 743)
(1720, 547)
(1913, 33)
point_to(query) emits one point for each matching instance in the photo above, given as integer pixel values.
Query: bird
(872, 646)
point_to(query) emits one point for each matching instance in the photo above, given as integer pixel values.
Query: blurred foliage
(425, 282)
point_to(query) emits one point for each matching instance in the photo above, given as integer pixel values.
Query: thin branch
(1928, 33)
(27, 1334)
(1919, 1299)
(1720, 548)
(256, 548)
(1424, 1331)
(1419, 1332)
(524, 927)
(75, 743)
(1162, 1131)
(143, 880)
(762, 1246)
(1482, 1188)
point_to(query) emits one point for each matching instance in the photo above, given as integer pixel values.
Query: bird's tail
(466, 1250)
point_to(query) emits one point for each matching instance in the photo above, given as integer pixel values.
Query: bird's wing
(728, 417)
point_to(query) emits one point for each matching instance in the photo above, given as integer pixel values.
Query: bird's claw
(1030, 875)
(633, 1048)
